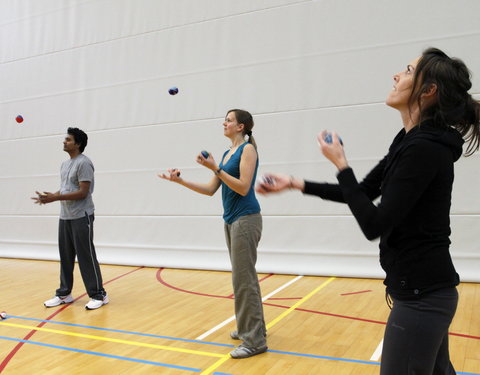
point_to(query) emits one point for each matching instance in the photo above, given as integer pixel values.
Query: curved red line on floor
(162, 281)
(159, 278)
(41, 324)
(260, 280)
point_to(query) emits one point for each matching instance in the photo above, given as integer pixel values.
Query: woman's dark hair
(245, 118)
(79, 136)
(454, 106)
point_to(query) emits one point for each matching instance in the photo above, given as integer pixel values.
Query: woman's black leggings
(416, 336)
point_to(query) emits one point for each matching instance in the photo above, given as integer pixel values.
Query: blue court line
(122, 331)
(102, 354)
(193, 341)
(210, 343)
(325, 357)
(110, 355)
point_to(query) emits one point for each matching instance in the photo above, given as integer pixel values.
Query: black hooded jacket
(412, 219)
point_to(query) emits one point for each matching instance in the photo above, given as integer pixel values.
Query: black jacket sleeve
(370, 186)
(413, 172)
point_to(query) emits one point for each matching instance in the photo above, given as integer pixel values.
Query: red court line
(462, 335)
(162, 281)
(260, 280)
(361, 319)
(159, 278)
(328, 314)
(41, 324)
(265, 277)
(349, 294)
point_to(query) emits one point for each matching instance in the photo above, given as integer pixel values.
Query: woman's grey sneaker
(94, 304)
(244, 351)
(58, 300)
(234, 335)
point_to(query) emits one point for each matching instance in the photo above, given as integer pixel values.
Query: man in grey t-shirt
(75, 237)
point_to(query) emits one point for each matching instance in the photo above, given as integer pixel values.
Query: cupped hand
(273, 183)
(172, 174)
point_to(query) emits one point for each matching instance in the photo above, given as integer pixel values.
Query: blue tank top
(234, 204)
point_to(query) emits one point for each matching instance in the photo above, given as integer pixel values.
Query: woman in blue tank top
(236, 173)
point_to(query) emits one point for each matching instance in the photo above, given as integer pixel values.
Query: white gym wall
(298, 66)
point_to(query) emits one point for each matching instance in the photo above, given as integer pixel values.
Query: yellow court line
(127, 342)
(272, 323)
(304, 299)
(217, 364)
(223, 357)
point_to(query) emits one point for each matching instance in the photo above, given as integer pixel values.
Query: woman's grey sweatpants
(242, 238)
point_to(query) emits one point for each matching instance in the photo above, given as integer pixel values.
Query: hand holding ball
(331, 146)
(272, 183)
(267, 180)
(171, 175)
(328, 139)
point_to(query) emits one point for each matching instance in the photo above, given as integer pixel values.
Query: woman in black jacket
(414, 181)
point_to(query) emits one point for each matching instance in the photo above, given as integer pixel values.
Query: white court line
(378, 352)
(224, 323)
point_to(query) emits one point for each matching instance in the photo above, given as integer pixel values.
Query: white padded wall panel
(32, 156)
(31, 228)
(102, 21)
(467, 179)
(219, 43)
(39, 26)
(298, 66)
(17, 193)
(294, 84)
(119, 193)
(166, 232)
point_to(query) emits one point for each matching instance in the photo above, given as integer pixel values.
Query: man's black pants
(75, 238)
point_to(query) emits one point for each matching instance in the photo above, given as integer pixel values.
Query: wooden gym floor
(171, 321)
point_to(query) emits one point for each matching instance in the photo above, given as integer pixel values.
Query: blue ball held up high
(328, 138)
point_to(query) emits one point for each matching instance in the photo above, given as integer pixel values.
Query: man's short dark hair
(79, 136)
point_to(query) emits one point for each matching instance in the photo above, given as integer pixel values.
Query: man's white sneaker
(96, 303)
(58, 300)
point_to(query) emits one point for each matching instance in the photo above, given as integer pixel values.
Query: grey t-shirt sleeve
(85, 171)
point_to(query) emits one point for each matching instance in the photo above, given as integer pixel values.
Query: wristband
(218, 171)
